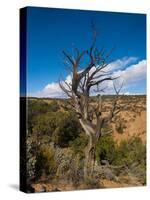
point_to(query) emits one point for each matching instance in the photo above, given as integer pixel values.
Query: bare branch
(80, 55)
(101, 75)
(99, 105)
(92, 83)
(66, 91)
(117, 90)
(109, 53)
(69, 57)
(115, 110)
(100, 90)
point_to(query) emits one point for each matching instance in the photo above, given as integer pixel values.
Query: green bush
(53, 106)
(67, 128)
(126, 153)
(130, 151)
(105, 149)
(45, 124)
(62, 127)
(78, 145)
(47, 119)
(45, 162)
(37, 108)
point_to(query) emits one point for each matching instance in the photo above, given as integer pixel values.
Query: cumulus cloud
(121, 63)
(132, 75)
(51, 90)
(129, 73)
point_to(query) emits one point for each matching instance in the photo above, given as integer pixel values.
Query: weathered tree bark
(90, 149)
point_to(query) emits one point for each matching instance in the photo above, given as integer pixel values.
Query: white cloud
(135, 73)
(51, 90)
(121, 63)
(131, 76)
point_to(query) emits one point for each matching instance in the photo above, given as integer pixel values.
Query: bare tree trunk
(89, 159)
(89, 150)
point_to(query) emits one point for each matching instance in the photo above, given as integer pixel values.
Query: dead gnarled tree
(89, 70)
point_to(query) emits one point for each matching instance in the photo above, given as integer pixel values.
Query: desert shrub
(62, 127)
(105, 149)
(36, 108)
(45, 162)
(45, 124)
(126, 153)
(120, 126)
(78, 145)
(130, 151)
(107, 129)
(53, 106)
(67, 128)
(140, 172)
(92, 183)
(31, 158)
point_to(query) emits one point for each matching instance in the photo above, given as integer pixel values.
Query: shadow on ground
(14, 186)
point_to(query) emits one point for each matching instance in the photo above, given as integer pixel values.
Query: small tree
(92, 75)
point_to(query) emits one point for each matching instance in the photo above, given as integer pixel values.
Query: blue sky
(49, 31)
